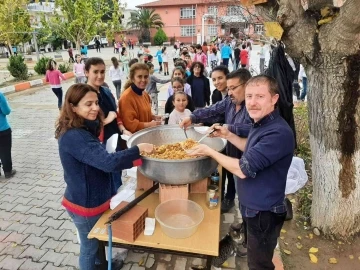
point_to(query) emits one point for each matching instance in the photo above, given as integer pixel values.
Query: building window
(187, 31)
(187, 13)
(259, 28)
(213, 10)
(234, 11)
(212, 30)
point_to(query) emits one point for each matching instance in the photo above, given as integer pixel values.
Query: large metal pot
(175, 172)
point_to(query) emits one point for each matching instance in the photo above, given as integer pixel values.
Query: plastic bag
(296, 177)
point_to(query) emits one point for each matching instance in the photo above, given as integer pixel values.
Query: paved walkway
(35, 230)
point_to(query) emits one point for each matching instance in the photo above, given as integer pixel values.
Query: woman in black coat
(200, 85)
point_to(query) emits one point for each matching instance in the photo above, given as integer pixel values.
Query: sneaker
(226, 205)
(10, 174)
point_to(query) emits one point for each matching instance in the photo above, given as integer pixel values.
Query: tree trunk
(333, 121)
(78, 44)
(10, 47)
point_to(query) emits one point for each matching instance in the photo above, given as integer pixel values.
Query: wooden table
(204, 243)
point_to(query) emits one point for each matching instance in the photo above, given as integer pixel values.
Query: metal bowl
(175, 172)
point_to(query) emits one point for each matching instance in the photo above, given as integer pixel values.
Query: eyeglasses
(233, 88)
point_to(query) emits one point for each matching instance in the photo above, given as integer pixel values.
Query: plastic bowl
(202, 129)
(179, 218)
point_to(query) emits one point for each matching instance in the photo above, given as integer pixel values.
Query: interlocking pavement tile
(24, 193)
(70, 247)
(18, 217)
(51, 266)
(36, 230)
(54, 190)
(68, 225)
(38, 189)
(9, 198)
(53, 244)
(37, 202)
(33, 253)
(53, 257)
(53, 213)
(52, 197)
(135, 257)
(15, 237)
(137, 267)
(4, 224)
(7, 206)
(37, 211)
(35, 241)
(30, 265)
(69, 235)
(3, 235)
(21, 208)
(23, 201)
(53, 223)
(3, 246)
(53, 205)
(165, 257)
(17, 227)
(64, 215)
(11, 264)
(6, 215)
(162, 266)
(10, 192)
(56, 234)
(71, 260)
(25, 187)
(13, 250)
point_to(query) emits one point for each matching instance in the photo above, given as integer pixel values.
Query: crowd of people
(90, 114)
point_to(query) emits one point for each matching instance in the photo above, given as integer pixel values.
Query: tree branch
(345, 29)
(268, 11)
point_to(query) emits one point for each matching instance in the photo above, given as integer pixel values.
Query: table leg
(102, 257)
(208, 262)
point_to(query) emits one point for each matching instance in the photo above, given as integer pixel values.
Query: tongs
(207, 134)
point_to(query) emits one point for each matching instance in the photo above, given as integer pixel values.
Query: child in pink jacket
(53, 76)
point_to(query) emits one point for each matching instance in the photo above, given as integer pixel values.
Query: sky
(133, 3)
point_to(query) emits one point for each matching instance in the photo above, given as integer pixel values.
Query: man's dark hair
(197, 64)
(243, 46)
(265, 79)
(222, 69)
(198, 46)
(242, 74)
(150, 57)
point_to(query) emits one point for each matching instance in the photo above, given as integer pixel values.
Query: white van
(103, 42)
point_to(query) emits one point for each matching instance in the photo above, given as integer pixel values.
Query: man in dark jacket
(200, 85)
(261, 171)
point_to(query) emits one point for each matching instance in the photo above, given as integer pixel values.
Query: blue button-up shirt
(224, 111)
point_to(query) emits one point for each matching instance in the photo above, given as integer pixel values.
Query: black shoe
(10, 174)
(226, 205)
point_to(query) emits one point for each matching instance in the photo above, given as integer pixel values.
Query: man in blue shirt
(231, 111)
(225, 54)
(262, 170)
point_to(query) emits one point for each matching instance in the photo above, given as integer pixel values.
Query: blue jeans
(88, 247)
(225, 62)
(304, 91)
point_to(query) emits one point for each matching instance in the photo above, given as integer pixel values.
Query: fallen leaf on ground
(142, 261)
(332, 260)
(351, 257)
(313, 258)
(225, 264)
(288, 252)
(299, 237)
(311, 236)
(282, 237)
(292, 201)
(286, 243)
(313, 250)
(298, 245)
(283, 231)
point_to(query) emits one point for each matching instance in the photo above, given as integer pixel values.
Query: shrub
(64, 68)
(160, 37)
(17, 67)
(40, 66)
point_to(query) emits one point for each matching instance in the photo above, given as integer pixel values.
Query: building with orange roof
(185, 20)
